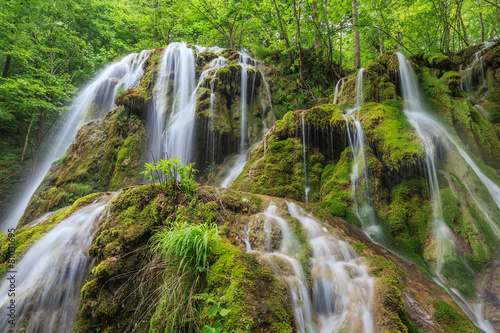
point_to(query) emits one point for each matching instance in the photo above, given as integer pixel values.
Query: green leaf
(207, 329)
(213, 310)
(218, 326)
(224, 312)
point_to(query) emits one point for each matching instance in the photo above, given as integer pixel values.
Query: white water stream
(430, 132)
(359, 175)
(100, 93)
(341, 296)
(45, 284)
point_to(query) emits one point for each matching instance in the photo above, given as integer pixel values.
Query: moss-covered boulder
(379, 82)
(106, 155)
(127, 276)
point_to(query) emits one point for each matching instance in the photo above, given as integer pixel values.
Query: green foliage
(172, 175)
(190, 243)
(218, 327)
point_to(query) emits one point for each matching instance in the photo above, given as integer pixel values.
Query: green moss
(408, 216)
(336, 180)
(280, 172)
(388, 130)
(392, 310)
(246, 285)
(106, 155)
(436, 59)
(235, 280)
(451, 320)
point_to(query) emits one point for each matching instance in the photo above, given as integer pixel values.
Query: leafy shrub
(172, 175)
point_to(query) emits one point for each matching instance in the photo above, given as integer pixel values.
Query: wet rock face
(106, 155)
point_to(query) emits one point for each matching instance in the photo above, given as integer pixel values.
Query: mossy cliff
(219, 117)
(127, 284)
(122, 289)
(379, 82)
(394, 163)
(107, 155)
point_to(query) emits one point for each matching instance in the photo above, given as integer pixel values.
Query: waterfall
(242, 158)
(50, 275)
(306, 188)
(474, 74)
(94, 101)
(359, 175)
(430, 132)
(175, 103)
(341, 294)
(337, 93)
(243, 98)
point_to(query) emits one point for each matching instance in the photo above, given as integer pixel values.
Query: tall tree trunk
(400, 47)
(6, 67)
(357, 51)
(481, 20)
(317, 33)
(446, 30)
(340, 49)
(380, 44)
(297, 21)
(282, 32)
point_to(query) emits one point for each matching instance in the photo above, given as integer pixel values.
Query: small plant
(190, 243)
(120, 90)
(172, 175)
(214, 310)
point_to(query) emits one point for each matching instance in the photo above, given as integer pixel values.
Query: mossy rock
(387, 129)
(135, 100)
(106, 155)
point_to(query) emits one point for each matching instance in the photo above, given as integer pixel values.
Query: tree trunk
(340, 50)
(282, 31)
(481, 21)
(317, 39)
(357, 51)
(297, 21)
(380, 44)
(6, 67)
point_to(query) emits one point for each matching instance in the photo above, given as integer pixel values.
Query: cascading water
(430, 132)
(306, 188)
(175, 101)
(93, 102)
(49, 276)
(242, 159)
(359, 175)
(337, 92)
(474, 74)
(341, 295)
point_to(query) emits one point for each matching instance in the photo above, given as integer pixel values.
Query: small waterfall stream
(94, 101)
(173, 125)
(359, 175)
(304, 156)
(244, 151)
(473, 74)
(337, 92)
(430, 132)
(49, 276)
(340, 297)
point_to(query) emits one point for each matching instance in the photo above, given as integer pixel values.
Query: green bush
(172, 175)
